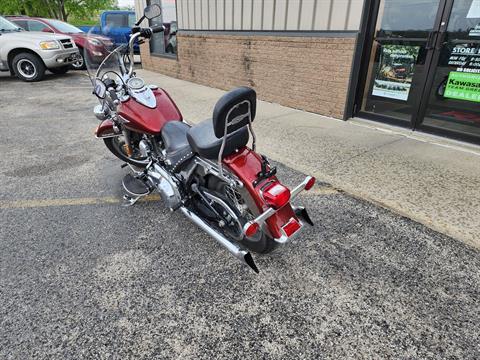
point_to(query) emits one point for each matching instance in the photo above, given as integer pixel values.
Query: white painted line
(36, 203)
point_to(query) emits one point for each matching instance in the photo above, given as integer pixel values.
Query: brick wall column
(309, 73)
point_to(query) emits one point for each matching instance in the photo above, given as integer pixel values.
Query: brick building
(397, 61)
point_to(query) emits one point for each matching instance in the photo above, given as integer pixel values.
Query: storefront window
(165, 43)
(424, 67)
(406, 17)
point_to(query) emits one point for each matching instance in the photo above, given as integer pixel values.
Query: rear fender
(106, 130)
(246, 164)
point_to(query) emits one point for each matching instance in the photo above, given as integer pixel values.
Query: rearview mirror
(99, 89)
(152, 11)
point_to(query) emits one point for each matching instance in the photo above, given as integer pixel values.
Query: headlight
(95, 42)
(49, 45)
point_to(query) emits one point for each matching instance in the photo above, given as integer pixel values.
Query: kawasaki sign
(463, 86)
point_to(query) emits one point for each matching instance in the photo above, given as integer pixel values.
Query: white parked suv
(28, 54)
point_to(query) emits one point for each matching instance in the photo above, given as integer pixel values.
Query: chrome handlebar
(142, 32)
(130, 47)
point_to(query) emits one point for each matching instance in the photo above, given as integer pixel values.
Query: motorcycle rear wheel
(261, 242)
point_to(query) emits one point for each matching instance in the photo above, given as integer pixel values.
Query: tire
(261, 242)
(80, 64)
(115, 148)
(60, 70)
(169, 49)
(28, 67)
(263, 245)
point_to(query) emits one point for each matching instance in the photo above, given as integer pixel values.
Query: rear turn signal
(250, 229)
(310, 183)
(276, 195)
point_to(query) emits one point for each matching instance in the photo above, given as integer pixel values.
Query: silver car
(28, 55)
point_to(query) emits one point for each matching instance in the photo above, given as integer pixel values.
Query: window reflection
(408, 15)
(165, 43)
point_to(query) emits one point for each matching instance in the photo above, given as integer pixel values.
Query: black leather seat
(174, 135)
(203, 141)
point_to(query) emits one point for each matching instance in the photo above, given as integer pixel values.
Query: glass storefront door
(454, 97)
(399, 57)
(424, 67)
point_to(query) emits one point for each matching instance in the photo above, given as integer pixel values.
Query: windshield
(6, 25)
(64, 27)
(105, 62)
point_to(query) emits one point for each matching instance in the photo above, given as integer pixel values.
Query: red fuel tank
(146, 120)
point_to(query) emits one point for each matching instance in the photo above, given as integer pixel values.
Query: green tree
(58, 9)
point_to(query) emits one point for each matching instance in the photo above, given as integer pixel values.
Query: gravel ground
(106, 282)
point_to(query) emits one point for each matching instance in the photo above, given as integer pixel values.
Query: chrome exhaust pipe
(241, 254)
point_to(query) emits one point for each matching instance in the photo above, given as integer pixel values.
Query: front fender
(246, 164)
(106, 130)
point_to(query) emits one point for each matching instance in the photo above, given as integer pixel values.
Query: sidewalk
(432, 180)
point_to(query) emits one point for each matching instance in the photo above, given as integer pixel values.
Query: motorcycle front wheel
(116, 147)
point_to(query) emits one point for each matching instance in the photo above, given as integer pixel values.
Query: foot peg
(302, 213)
(134, 189)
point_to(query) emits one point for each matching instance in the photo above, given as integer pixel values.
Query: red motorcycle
(206, 171)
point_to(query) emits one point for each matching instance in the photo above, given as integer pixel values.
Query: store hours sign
(466, 58)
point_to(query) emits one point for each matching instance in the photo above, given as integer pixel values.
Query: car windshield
(6, 25)
(64, 27)
(131, 20)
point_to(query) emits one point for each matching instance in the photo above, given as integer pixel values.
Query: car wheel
(80, 63)
(169, 49)
(59, 70)
(28, 67)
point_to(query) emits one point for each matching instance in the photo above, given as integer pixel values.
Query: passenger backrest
(235, 110)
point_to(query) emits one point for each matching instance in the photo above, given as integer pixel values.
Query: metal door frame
(441, 25)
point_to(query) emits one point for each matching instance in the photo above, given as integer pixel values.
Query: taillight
(310, 183)
(276, 195)
(250, 229)
(291, 227)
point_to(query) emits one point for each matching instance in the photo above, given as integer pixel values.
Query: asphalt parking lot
(83, 277)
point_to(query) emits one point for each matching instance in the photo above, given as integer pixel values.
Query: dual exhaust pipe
(159, 177)
(234, 249)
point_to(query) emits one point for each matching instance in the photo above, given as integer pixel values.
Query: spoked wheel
(117, 146)
(244, 208)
